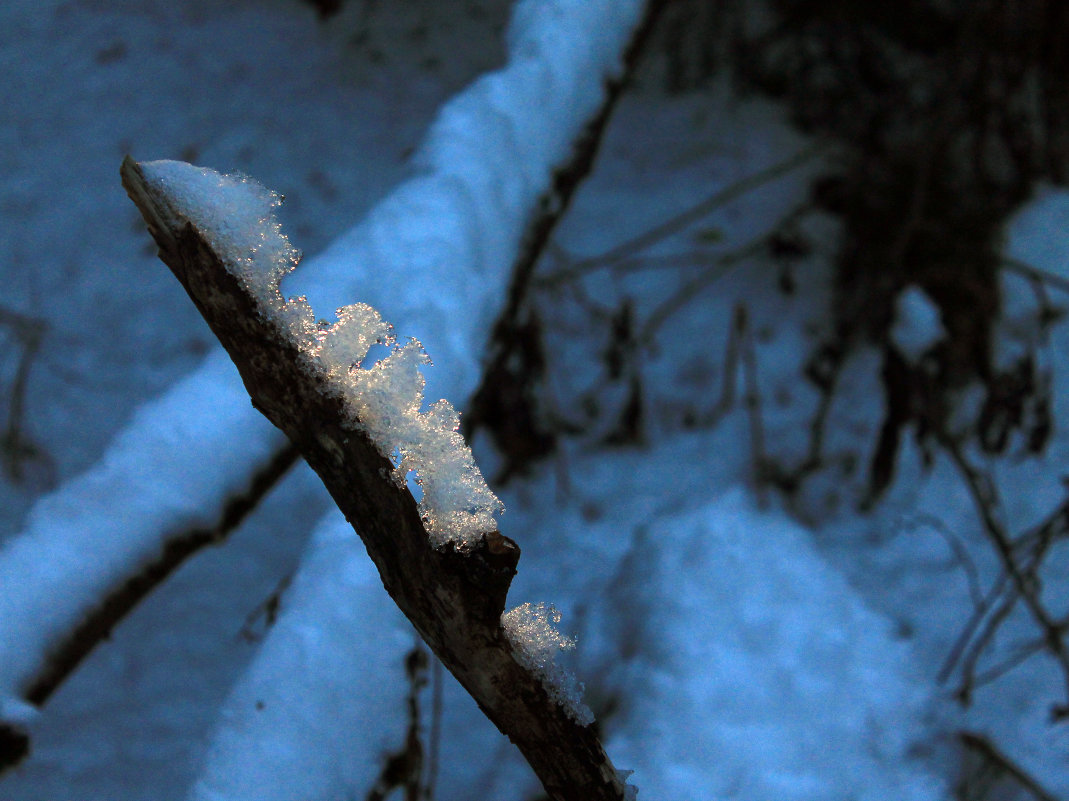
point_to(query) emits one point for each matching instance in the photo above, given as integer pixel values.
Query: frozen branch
(453, 597)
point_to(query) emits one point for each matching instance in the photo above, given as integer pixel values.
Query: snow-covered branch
(452, 585)
(432, 254)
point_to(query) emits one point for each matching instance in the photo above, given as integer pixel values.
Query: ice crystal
(536, 642)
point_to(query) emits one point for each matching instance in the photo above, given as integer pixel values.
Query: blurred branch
(113, 607)
(1036, 274)
(1021, 559)
(67, 652)
(566, 180)
(995, 769)
(681, 221)
(14, 446)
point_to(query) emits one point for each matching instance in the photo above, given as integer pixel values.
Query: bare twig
(961, 554)
(710, 275)
(454, 599)
(1020, 559)
(14, 446)
(1036, 273)
(982, 747)
(965, 637)
(686, 218)
(267, 610)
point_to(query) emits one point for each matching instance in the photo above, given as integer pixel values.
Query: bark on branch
(455, 600)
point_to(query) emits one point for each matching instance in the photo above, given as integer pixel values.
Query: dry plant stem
(454, 600)
(1025, 579)
(985, 748)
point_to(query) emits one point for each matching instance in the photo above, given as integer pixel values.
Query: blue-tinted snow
(318, 707)
(91, 534)
(916, 326)
(143, 705)
(436, 255)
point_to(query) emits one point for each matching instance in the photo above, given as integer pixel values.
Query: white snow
(237, 215)
(917, 325)
(325, 697)
(87, 537)
(531, 628)
(757, 673)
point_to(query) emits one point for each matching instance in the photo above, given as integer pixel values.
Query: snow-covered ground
(733, 645)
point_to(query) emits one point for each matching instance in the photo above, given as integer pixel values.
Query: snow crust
(531, 628)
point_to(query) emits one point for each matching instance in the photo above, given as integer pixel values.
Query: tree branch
(62, 653)
(454, 599)
(113, 607)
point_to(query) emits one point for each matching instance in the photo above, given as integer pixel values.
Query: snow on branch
(383, 400)
(453, 594)
(433, 253)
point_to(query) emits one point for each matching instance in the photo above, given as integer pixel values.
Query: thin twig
(752, 401)
(720, 268)
(1036, 273)
(1026, 584)
(986, 749)
(684, 219)
(968, 631)
(961, 553)
(30, 333)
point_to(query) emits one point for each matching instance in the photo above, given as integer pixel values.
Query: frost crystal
(236, 215)
(536, 642)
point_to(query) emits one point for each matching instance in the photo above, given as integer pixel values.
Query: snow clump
(536, 642)
(917, 325)
(237, 216)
